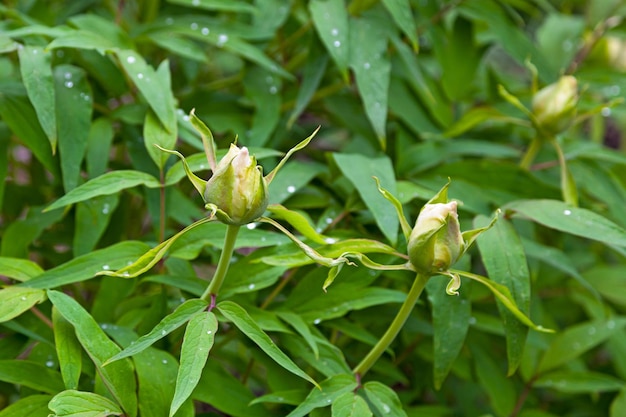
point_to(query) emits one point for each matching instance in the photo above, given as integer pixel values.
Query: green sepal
(269, 177)
(207, 139)
(197, 182)
(469, 236)
(404, 224)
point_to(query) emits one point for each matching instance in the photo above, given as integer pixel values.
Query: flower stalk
(222, 265)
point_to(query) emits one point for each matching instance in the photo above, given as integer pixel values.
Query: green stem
(531, 153)
(224, 262)
(394, 328)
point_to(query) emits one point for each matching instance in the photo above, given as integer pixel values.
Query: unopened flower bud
(237, 188)
(554, 106)
(436, 241)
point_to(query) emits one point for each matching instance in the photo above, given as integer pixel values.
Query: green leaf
(384, 399)
(19, 269)
(331, 21)
(451, 319)
(31, 374)
(401, 13)
(101, 135)
(74, 105)
(20, 234)
(231, 6)
(68, 350)
(573, 220)
(576, 340)
(350, 404)
(263, 89)
(296, 321)
(291, 178)
(87, 266)
(153, 85)
(16, 300)
(504, 258)
(494, 382)
(608, 281)
(84, 39)
(251, 329)
(360, 169)
(572, 382)
(168, 324)
(92, 218)
(299, 222)
(37, 78)
(30, 406)
(109, 183)
(72, 403)
(327, 392)
(151, 257)
(618, 406)
(372, 70)
(197, 344)
(314, 69)
(155, 133)
(118, 377)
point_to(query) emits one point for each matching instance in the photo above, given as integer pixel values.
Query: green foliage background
(412, 92)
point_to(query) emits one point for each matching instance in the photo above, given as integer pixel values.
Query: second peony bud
(237, 188)
(436, 241)
(554, 106)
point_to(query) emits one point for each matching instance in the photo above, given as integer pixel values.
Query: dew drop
(386, 409)
(195, 3)
(567, 212)
(169, 21)
(140, 76)
(194, 26)
(105, 209)
(330, 240)
(163, 332)
(291, 189)
(104, 326)
(49, 364)
(606, 111)
(222, 39)
(205, 31)
(317, 321)
(251, 286)
(610, 324)
(164, 361)
(131, 59)
(251, 226)
(23, 298)
(69, 84)
(328, 220)
(186, 118)
(126, 274)
(367, 65)
(209, 332)
(106, 267)
(336, 44)
(334, 31)
(273, 89)
(67, 75)
(472, 320)
(35, 51)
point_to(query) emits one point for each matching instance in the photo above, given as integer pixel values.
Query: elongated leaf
(618, 406)
(312, 73)
(451, 318)
(372, 70)
(578, 339)
(31, 374)
(33, 405)
(19, 269)
(504, 258)
(92, 218)
(118, 377)
(84, 39)
(251, 329)
(401, 12)
(155, 133)
(608, 281)
(16, 300)
(301, 327)
(579, 382)
(576, 221)
(263, 88)
(360, 169)
(231, 6)
(109, 183)
(68, 350)
(101, 135)
(168, 324)
(350, 404)
(299, 222)
(331, 21)
(154, 255)
(72, 403)
(74, 102)
(197, 344)
(384, 399)
(37, 78)
(494, 382)
(151, 84)
(329, 390)
(87, 266)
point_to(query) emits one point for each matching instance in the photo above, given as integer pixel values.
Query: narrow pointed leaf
(197, 343)
(154, 255)
(168, 324)
(68, 350)
(109, 183)
(118, 378)
(196, 181)
(331, 21)
(251, 329)
(19, 269)
(401, 13)
(30, 374)
(296, 321)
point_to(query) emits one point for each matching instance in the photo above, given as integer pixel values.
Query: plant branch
(222, 266)
(394, 328)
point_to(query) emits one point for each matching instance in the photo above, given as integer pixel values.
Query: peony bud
(237, 188)
(554, 106)
(436, 241)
